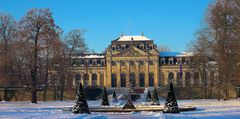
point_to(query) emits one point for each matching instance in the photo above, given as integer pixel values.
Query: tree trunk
(226, 93)
(237, 93)
(205, 85)
(211, 90)
(62, 89)
(46, 83)
(34, 71)
(219, 91)
(54, 92)
(34, 86)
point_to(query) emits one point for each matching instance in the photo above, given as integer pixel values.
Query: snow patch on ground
(55, 110)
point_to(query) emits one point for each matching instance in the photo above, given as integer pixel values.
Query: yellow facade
(132, 61)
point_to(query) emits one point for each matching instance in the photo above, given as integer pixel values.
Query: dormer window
(118, 47)
(183, 60)
(82, 62)
(113, 48)
(98, 61)
(102, 63)
(73, 62)
(90, 62)
(138, 46)
(151, 47)
(126, 46)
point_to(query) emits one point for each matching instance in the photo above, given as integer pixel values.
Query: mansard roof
(89, 56)
(133, 38)
(176, 54)
(132, 51)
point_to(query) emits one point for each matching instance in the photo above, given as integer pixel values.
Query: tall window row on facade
(85, 79)
(132, 80)
(188, 79)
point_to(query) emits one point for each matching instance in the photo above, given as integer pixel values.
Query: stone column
(89, 79)
(128, 74)
(107, 82)
(191, 78)
(98, 78)
(118, 75)
(183, 79)
(156, 73)
(81, 78)
(146, 74)
(165, 78)
(104, 78)
(175, 78)
(137, 79)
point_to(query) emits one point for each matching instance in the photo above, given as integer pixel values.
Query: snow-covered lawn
(55, 109)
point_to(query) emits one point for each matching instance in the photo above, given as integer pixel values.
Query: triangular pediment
(131, 51)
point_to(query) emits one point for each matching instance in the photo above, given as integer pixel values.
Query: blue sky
(168, 22)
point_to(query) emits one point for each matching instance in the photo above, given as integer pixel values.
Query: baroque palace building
(133, 61)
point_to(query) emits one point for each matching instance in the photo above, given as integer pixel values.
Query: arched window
(196, 78)
(114, 80)
(170, 77)
(132, 80)
(85, 79)
(77, 79)
(151, 80)
(142, 79)
(179, 82)
(123, 80)
(94, 79)
(187, 78)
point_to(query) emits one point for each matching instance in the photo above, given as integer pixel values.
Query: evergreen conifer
(171, 105)
(105, 101)
(81, 105)
(149, 97)
(129, 105)
(155, 97)
(114, 98)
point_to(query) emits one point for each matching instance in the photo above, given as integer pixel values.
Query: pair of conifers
(81, 105)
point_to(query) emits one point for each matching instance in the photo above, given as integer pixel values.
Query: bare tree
(74, 43)
(33, 27)
(163, 48)
(222, 36)
(223, 22)
(202, 56)
(7, 37)
(50, 46)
